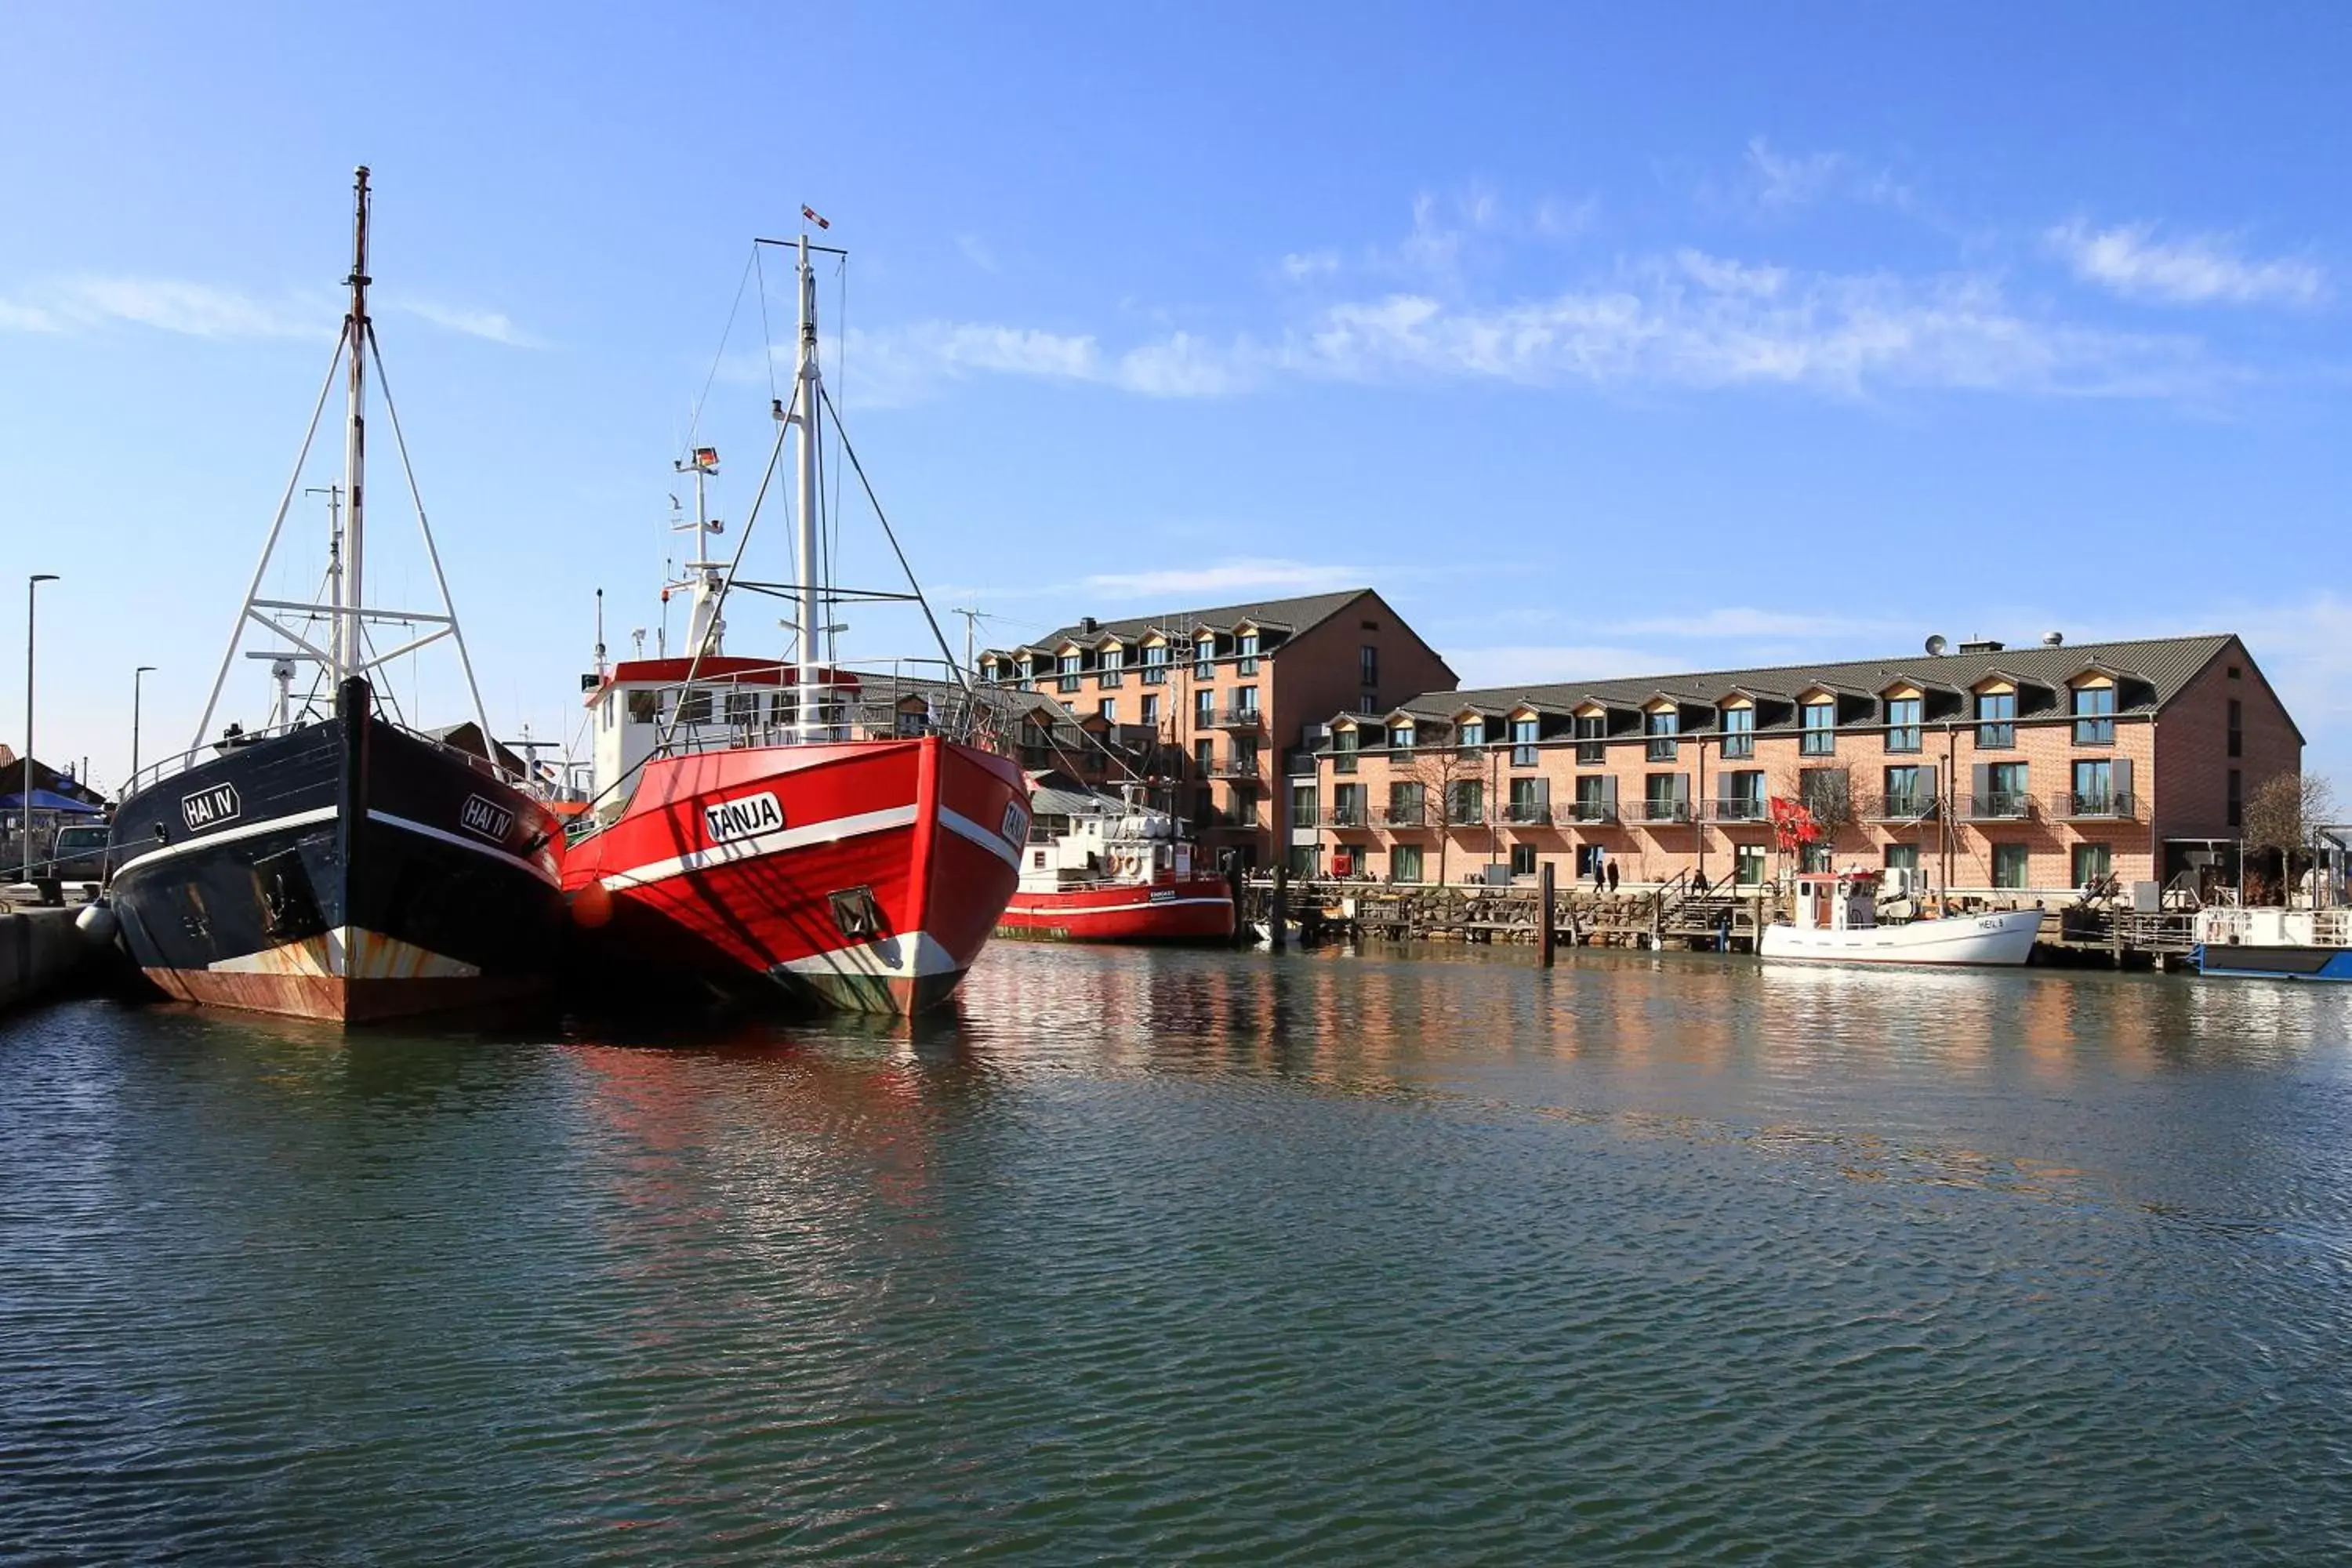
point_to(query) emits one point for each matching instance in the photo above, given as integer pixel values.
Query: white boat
(1837, 922)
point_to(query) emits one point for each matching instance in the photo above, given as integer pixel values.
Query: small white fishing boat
(1837, 922)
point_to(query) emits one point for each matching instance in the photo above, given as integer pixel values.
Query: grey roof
(1294, 615)
(2166, 664)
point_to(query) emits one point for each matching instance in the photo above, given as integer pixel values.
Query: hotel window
(2009, 865)
(1662, 728)
(2095, 788)
(2236, 728)
(1903, 715)
(1662, 797)
(1069, 668)
(1523, 742)
(1302, 806)
(1109, 709)
(1747, 864)
(1523, 859)
(2095, 716)
(1465, 802)
(1204, 659)
(2237, 807)
(1820, 728)
(1400, 737)
(1592, 749)
(1248, 651)
(1738, 732)
(1245, 701)
(1408, 804)
(1204, 706)
(1368, 663)
(1825, 792)
(1110, 668)
(1471, 738)
(1152, 708)
(1406, 857)
(1369, 702)
(1530, 803)
(1903, 857)
(1343, 751)
(1903, 795)
(1593, 798)
(1155, 665)
(2091, 863)
(2005, 784)
(1997, 720)
(1205, 756)
(1744, 797)
(1348, 806)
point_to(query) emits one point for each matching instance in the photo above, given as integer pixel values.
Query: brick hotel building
(1220, 705)
(2010, 772)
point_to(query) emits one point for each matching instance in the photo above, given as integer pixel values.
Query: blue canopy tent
(50, 800)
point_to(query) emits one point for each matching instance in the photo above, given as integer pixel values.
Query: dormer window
(1591, 742)
(1070, 665)
(1903, 723)
(1400, 736)
(1248, 651)
(1738, 732)
(1343, 750)
(1155, 664)
(2095, 716)
(1525, 731)
(1820, 726)
(1111, 666)
(1662, 725)
(1204, 658)
(1997, 720)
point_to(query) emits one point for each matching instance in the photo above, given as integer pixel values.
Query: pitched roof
(1295, 615)
(2167, 664)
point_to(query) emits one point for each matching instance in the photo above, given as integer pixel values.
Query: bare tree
(1436, 768)
(2283, 816)
(1825, 791)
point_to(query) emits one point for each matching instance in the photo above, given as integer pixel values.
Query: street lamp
(142, 669)
(24, 819)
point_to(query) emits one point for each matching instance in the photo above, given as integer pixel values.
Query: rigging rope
(694, 418)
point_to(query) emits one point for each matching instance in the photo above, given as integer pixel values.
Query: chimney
(1983, 645)
(1088, 625)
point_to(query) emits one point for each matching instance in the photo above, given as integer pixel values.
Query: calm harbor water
(1200, 1257)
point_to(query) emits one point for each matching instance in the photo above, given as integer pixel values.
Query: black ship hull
(347, 871)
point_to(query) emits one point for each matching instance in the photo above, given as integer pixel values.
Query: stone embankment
(41, 952)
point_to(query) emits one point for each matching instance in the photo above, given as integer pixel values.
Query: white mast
(812, 614)
(349, 598)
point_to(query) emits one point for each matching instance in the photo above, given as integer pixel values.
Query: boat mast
(350, 596)
(812, 614)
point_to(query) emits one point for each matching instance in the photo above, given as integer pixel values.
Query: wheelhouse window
(1523, 734)
(1738, 732)
(1662, 727)
(1996, 720)
(2095, 716)
(1820, 734)
(1591, 746)
(1903, 726)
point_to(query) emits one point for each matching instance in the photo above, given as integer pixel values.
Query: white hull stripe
(910, 957)
(957, 823)
(230, 836)
(348, 952)
(1089, 911)
(477, 846)
(759, 844)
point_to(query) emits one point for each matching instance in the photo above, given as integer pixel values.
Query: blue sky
(1602, 343)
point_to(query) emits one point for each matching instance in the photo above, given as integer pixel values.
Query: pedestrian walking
(1613, 876)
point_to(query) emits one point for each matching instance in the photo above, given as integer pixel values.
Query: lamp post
(142, 669)
(25, 817)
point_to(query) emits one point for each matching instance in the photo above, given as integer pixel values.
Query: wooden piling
(1281, 913)
(1547, 938)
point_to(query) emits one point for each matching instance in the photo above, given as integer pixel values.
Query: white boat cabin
(1836, 900)
(1081, 839)
(648, 704)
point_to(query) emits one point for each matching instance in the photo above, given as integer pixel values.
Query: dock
(42, 954)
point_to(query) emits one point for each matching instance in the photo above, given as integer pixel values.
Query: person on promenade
(1600, 877)
(1613, 877)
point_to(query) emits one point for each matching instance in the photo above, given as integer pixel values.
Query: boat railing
(156, 773)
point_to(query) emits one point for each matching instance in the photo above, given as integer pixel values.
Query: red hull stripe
(826, 832)
(958, 823)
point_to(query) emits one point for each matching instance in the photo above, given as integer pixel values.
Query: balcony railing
(2001, 806)
(1661, 749)
(1236, 768)
(1592, 811)
(1465, 816)
(1916, 808)
(1403, 816)
(1736, 809)
(1347, 816)
(2106, 803)
(1527, 813)
(1661, 810)
(1236, 719)
(1232, 818)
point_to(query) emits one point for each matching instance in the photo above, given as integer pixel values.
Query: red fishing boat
(790, 821)
(1100, 868)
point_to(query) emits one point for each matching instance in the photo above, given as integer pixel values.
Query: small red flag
(810, 212)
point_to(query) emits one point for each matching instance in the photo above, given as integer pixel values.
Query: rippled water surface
(1199, 1257)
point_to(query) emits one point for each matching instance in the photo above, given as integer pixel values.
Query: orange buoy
(591, 906)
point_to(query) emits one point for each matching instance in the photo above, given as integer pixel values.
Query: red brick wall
(2193, 746)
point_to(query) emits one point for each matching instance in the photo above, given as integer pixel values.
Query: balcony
(1403, 816)
(1235, 719)
(1465, 816)
(1527, 814)
(1236, 768)
(2108, 805)
(1737, 809)
(1345, 816)
(2000, 807)
(1659, 810)
(1593, 810)
(1920, 807)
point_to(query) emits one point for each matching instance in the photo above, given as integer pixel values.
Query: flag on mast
(810, 212)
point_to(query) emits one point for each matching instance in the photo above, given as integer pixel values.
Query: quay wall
(40, 951)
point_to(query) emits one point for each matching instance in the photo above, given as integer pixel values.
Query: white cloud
(1247, 573)
(2197, 268)
(493, 325)
(1299, 267)
(170, 305)
(1783, 181)
(21, 317)
(976, 251)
